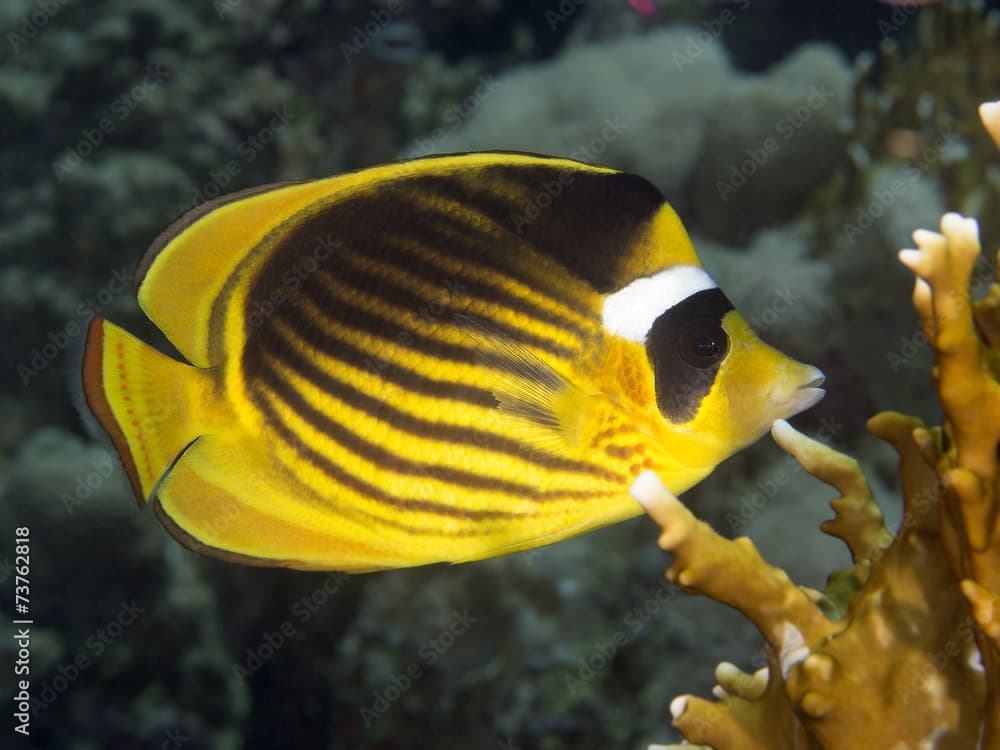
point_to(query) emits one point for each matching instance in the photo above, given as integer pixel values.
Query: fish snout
(806, 392)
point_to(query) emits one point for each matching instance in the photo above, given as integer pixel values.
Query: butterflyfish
(443, 359)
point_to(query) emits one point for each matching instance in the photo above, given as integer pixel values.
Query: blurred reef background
(801, 143)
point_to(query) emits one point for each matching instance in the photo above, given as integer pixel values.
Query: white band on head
(631, 312)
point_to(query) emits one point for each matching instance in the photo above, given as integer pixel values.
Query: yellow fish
(443, 359)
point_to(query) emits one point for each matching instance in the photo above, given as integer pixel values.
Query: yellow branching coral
(903, 649)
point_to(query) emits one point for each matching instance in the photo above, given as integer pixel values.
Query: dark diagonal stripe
(371, 284)
(397, 251)
(366, 489)
(366, 449)
(340, 313)
(323, 340)
(463, 240)
(588, 223)
(285, 354)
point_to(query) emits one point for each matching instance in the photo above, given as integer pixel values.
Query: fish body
(442, 359)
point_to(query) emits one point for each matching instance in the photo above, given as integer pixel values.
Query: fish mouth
(804, 396)
(809, 394)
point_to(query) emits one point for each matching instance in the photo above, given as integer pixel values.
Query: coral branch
(906, 615)
(918, 449)
(708, 564)
(989, 113)
(913, 660)
(965, 377)
(859, 521)
(985, 608)
(969, 396)
(893, 672)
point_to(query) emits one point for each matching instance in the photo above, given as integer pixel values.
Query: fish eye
(703, 343)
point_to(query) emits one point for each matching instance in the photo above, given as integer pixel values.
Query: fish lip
(807, 396)
(816, 382)
(803, 397)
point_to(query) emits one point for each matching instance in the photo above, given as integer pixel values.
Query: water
(797, 171)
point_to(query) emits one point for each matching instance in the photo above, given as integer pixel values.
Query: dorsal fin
(191, 260)
(192, 263)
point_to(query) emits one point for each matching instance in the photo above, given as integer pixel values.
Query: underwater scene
(507, 375)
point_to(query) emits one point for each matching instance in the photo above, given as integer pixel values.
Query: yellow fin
(193, 259)
(204, 506)
(202, 255)
(143, 400)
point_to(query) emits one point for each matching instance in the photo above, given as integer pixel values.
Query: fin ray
(206, 517)
(140, 397)
(539, 401)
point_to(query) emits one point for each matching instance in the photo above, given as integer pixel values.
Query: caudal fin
(142, 399)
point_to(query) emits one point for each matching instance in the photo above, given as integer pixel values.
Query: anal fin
(223, 500)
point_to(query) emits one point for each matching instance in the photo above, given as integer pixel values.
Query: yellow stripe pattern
(348, 339)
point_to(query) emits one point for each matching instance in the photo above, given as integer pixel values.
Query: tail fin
(143, 400)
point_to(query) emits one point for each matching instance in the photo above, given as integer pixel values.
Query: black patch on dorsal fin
(587, 220)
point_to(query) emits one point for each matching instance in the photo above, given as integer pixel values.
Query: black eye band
(685, 346)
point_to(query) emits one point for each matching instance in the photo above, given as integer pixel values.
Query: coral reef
(908, 108)
(749, 172)
(902, 649)
(561, 651)
(658, 105)
(914, 150)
